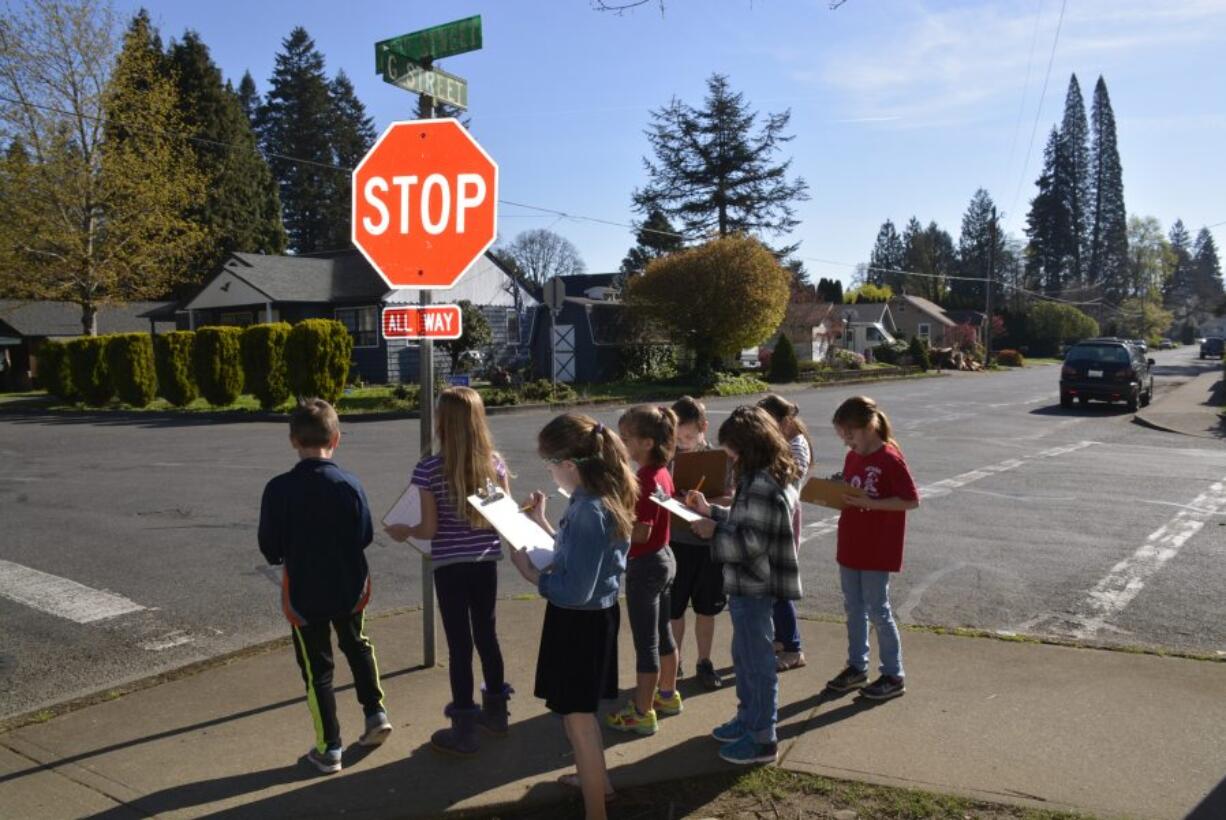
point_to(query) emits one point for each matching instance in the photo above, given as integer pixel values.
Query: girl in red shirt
(871, 529)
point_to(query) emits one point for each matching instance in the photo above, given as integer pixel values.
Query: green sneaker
(669, 706)
(628, 719)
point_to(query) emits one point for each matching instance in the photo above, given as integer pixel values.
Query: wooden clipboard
(827, 493)
(407, 510)
(708, 466)
(520, 531)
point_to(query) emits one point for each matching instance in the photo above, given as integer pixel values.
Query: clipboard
(691, 468)
(827, 493)
(677, 508)
(520, 531)
(407, 510)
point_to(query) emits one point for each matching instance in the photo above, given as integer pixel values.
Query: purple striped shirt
(456, 540)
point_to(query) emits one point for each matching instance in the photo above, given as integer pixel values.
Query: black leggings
(466, 596)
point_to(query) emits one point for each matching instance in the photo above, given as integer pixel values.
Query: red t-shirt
(872, 539)
(647, 511)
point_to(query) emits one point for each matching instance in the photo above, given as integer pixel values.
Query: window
(924, 331)
(362, 324)
(872, 334)
(240, 318)
(512, 328)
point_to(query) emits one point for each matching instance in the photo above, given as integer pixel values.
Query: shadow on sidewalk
(181, 730)
(1213, 807)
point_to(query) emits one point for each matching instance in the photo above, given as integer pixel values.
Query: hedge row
(273, 362)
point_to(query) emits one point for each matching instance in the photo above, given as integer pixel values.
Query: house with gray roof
(252, 288)
(916, 316)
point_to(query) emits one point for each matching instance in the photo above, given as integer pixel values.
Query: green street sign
(433, 43)
(432, 82)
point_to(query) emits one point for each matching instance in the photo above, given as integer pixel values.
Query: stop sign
(424, 203)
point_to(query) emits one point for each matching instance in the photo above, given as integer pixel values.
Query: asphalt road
(1075, 523)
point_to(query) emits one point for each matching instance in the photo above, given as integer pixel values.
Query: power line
(1021, 109)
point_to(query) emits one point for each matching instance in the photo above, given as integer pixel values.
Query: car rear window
(1100, 354)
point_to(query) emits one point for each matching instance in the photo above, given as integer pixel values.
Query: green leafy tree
(476, 335)
(1108, 236)
(1150, 258)
(296, 120)
(1049, 324)
(715, 171)
(717, 298)
(93, 200)
(784, 366)
(868, 293)
(352, 133)
(241, 208)
(1142, 319)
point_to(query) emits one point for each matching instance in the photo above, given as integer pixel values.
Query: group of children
(742, 554)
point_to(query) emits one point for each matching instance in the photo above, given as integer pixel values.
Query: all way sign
(432, 322)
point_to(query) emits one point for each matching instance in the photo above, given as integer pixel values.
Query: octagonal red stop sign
(425, 201)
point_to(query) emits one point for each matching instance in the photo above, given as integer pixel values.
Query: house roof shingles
(45, 318)
(931, 308)
(302, 279)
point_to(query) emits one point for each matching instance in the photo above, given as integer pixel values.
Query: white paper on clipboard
(407, 511)
(520, 531)
(678, 509)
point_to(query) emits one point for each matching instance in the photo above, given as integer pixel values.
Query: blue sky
(899, 107)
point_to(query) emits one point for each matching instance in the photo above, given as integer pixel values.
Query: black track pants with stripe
(313, 650)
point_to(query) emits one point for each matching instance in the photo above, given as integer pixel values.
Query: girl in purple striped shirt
(464, 550)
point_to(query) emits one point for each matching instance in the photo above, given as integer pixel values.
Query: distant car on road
(1166, 344)
(1140, 344)
(1211, 347)
(1106, 370)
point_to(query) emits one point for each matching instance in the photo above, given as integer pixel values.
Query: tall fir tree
(715, 171)
(1049, 225)
(1179, 288)
(830, 290)
(885, 261)
(655, 237)
(1109, 230)
(978, 259)
(241, 209)
(1206, 271)
(249, 99)
(352, 133)
(930, 252)
(296, 121)
(1074, 181)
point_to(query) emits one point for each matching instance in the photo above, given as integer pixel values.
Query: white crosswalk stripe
(60, 596)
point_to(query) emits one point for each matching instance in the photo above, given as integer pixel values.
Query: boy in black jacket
(315, 520)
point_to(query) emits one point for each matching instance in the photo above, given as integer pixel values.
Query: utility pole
(425, 404)
(987, 321)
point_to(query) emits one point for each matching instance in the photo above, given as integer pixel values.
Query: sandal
(572, 780)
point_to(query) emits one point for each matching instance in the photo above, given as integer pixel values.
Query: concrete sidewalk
(1192, 409)
(1111, 733)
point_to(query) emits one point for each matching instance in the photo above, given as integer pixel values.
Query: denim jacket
(589, 558)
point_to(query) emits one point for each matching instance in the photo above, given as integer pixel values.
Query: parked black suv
(1211, 348)
(1106, 370)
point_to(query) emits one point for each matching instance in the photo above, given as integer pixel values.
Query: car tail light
(1125, 375)
(1068, 372)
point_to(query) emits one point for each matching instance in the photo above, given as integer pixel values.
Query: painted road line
(825, 526)
(60, 596)
(1126, 579)
(167, 641)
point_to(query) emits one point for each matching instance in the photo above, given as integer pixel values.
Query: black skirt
(577, 662)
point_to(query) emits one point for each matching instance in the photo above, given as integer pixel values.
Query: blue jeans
(753, 656)
(787, 629)
(866, 596)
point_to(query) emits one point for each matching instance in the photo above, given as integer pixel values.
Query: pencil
(529, 505)
(699, 485)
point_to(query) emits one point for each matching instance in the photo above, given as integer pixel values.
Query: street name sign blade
(432, 82)
(424, 204)
(436, 42)
(433, 322)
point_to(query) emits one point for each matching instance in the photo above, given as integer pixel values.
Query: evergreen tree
(296, 121)
(1206, 270)
(241, 210)
(351, 133)
(1049, 225)
(1109, 232)
(929, 251)
(249, 98)
(885, 262)
(830, 290)
(800, 275)
(977, 258)
(714, 173)
(1074, 183)
(655, 238)
(1179, 290)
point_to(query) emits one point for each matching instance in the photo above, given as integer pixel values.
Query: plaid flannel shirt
(754, 539)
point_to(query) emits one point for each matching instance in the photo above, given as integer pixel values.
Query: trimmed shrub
(918, 351)
(54, 370)
(264, 363)
(890, 352)
(844, 359)
(1010, 358)
(317, 353)
(783, 367)
(499, 398)
(172, 356)
(543, 390)
(129, 357)
(736, 384)
(90, 376)
(218, 364)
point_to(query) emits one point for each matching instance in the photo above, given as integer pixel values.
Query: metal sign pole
(425, 403)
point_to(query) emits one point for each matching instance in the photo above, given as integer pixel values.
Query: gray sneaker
(328, 762)
(378, 727)
(850, 678)
(884, 688)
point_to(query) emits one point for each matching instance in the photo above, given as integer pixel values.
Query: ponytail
(860, 412)
(602, 461)
(659, 424)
